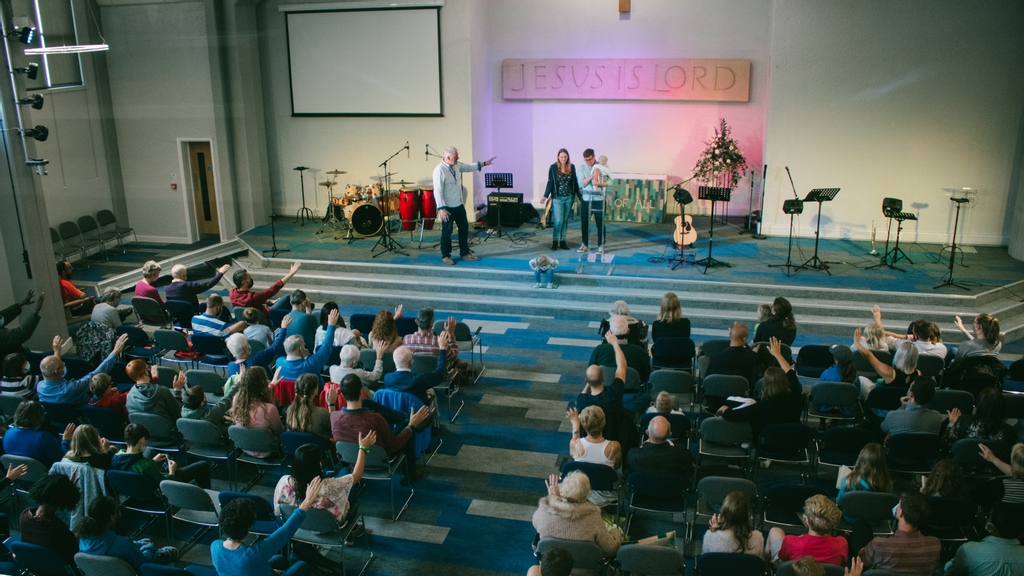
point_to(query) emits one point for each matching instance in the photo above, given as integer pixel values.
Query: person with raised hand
(56, 388)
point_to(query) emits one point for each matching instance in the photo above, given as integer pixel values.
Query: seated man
(350, 358)
(998, 553)
(209, 322)
(424, 341)
(12, 339)
(299, 361)
(595, 393)
(148, 396)
(242, 294)
(913, 415)
(194, 406)
(108, 312)
(303, 322)
(737, 359)
(54, 388)
(133, 459)
(659, 455)
(636, 356)
(74, 299)
(907, 551)
(182, 289)
(419, 385)
(354, 420)
(255, 329)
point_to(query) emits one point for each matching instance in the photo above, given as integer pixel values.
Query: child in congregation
(105, 395)
(764, 312)
(543, 271)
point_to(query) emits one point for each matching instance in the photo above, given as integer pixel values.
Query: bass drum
(366, 219)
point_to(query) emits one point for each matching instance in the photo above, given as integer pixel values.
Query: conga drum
(409, 207)
(429, 206)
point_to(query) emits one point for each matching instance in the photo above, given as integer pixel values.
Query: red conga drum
(429, 206)
(409, 207)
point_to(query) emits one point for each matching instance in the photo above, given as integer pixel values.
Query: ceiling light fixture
(35, 100)
(31, 71)
(40, 132)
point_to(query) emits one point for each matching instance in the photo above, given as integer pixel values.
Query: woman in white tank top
(594, 448)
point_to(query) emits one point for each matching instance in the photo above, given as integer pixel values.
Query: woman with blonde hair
(873, 337)
(561, 191)
(566, 513)
(592, 447)
(730, 529)
(821, 516)
(983, 341)
(670, 321)
(254, 406)
(87, 446)
(1010, 488)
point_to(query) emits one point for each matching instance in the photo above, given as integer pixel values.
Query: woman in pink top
(145, 288)
(254, 406)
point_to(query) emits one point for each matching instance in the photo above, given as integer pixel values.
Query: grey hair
(905, 359)
(575, 487)
(450, 151)
(403, 357)
(349, 356)
(49, 366)
(179, 271)
(150, 268)
(111, 296)
(619, 325)
(294, 344)
(238, 345)
(619, 307)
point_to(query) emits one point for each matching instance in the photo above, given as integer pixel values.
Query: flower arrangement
(721, 159)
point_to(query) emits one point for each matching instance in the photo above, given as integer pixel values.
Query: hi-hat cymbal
(328, 184)
(337, 172)
(382, 178)
(402, 183)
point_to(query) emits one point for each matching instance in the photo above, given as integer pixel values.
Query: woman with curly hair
(42, 526)
(254, 406)
(821, 516)
(96, 535)
(567, 513)
(305, 414)
(781, 325)
(730, 529)
(384, 329)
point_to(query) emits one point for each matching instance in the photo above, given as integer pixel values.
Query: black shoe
(406, 480)
(554, 245)
(562, 245)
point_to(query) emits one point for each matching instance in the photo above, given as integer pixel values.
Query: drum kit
(366, 210)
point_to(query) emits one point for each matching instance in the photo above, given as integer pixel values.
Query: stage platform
(639, 272)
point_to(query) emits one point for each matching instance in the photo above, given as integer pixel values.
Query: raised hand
(856, 567)
(986, 453)
(333, 317)
(856, 337)
(959, 324)
(39, 302)
(378, 347)
(15, 472)
(224, 268)
(179, 381)
(552, 485)
(57, 344)
(119, 345)
(573, 416)
(28, 298)
(69, 431)
(954, 415)
(398, 311)
(369, 440)
(277, 377)
(332, 395)
(775, 347)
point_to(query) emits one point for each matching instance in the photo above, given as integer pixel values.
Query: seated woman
(26, 439)
(782, 399)
(593, 447)
(670, 321)
(781, 325)
(987, 423)
(96, 535)
(842, 370)
(384, 329)
(983, 341)
(873, 338)
(664, 404)
(232, 557)
(566, 513)
(637, 328)
(304, 414)
(335, 493)
(821, 516)
(946, 480)
(903, 371)
(925, 335)
(87, 447)
(730, 529)
(870, 472)
(43, 526)
(16, 378)
(1008, 489)
(342, 335)
(254, 406)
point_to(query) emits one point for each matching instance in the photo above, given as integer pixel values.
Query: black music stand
(890, 257)
(715, 194)
(497, 181)
(791, 207)
(303, 213)
(952, 249)
(818, 195)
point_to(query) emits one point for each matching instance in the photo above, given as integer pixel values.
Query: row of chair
(89, 234)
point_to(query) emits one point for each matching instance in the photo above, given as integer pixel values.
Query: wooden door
(204, 193)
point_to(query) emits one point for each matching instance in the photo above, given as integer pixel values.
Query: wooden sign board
(685, 79)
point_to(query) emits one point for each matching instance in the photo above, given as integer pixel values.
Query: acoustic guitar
(684, 234)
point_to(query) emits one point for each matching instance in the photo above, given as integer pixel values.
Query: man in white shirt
(450, 208)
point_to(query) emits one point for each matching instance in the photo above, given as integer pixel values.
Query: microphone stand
(273, 250)
(386, 242)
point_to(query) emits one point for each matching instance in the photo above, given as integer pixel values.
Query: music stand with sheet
(818, 195)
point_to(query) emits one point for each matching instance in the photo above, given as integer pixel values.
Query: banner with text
(691, 79)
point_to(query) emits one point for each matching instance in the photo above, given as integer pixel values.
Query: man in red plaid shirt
(424, 341)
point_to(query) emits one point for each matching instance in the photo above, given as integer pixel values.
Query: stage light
(793, 207)
(35, 100)
(891, 206)
(40, 132)
(24, 29)
(31, 71)
(682, 196)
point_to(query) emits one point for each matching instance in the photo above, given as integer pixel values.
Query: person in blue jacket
(96, 535)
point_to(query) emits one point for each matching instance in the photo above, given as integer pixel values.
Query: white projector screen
(365, 62)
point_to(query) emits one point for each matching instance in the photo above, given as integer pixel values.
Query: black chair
(912, 453)
(405, 326)
(931, 366)
(363, 323)
(967, 453)
(71, 236)
(181, 313)
(62, 414)
(673, 352)
(76, 367)
(91, 231)
(836, 396)
(784, 506)
(679, 384)
(946, 400)
(717, 564)
(108, 422)
(873, 507)
(106, 218)
(215, 349)
(886, 398)
(813, 359)
(141, 495)
(840, 445)
(658, 493)
(39, 560)
(787, 443)
(651, 560)
(1014, 405)
(951, 519)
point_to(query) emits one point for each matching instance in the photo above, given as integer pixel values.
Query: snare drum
(429, 204)
(365, 218)
(353, 190)
(409, 207)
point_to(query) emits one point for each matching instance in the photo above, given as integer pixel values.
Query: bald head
(595, 376)
(179, 272)
(619, 325)
(403, 358)
(659, 429)
(738, 334)
(51, 367)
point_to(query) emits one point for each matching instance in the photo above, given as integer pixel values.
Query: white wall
(160, 84)
(640, 137)
(358, 145)
(898, 99)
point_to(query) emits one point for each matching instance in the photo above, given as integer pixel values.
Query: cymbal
(402, 183)
(337, 172)
(328, 184)
(382, 178)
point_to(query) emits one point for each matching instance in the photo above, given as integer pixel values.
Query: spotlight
(24, 29)
(40, 132)
(682, 196)
(35, 100)
(32, 70)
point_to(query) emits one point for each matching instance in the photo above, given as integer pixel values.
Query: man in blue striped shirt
(209, 322)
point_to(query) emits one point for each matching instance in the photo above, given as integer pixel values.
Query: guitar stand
(680, 258)
(818, 195)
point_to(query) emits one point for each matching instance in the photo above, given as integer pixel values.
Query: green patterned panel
(635, 200)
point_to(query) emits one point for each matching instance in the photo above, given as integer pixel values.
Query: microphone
(791, 185)
(406, 148)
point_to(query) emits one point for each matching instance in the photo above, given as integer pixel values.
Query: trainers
(470, 257)
(554, 245)
(448, 261)
(582, 248)
(537, 285)
(600, 249)
(551, 286)
(562, 245)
